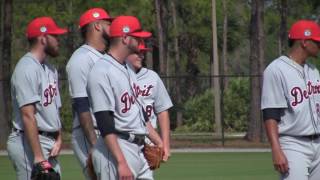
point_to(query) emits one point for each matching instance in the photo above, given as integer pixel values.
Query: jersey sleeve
(100, 92)
(27, 87)
(162, 99)
(77, 78)
(273, 93)
(58, 97)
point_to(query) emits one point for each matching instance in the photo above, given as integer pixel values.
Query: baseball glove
(153, 155)
(44, 171)
(90, 170)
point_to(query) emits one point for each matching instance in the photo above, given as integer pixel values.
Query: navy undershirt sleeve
(105, 122)
(272, 113)
(81, 104)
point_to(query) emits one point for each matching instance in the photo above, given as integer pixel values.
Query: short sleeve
(273, 93)
(27, 87)
(100, 91)
(77, 78)
(162, 99)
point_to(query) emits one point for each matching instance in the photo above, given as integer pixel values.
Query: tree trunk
(5, 98)
(177, 65)
(162, 53)
(215, 73)
(256, 68)
(225, 44)
(283, 10)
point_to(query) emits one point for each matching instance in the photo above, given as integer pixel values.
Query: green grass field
(184, 166)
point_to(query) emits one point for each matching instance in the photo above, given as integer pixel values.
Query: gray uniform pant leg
(21, 155)
(81, 147)
(106, 167)
(303, 158)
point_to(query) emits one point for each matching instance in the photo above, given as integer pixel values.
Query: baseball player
(117, 108)
(35, 140)
(291, 105)
(156, 100)
(94, 25)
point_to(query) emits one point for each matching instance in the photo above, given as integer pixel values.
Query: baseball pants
(106, 167)
(303, 155)
(21, 155)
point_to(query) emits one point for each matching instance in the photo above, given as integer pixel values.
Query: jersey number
(149, 109)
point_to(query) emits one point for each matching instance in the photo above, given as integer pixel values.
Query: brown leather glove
(153, 155)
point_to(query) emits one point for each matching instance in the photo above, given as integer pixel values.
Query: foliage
(194, 32)
(236, 105)
(198, 112)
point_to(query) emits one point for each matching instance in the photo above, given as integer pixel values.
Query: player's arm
(271, 118)
(106, 125)
(57, 145)
(31, 131)
(153, 135)
(81, 106)
(164, 123)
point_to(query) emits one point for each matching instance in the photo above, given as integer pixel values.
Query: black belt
(312, 136)
(133, 138)
(53, 135)
(78, 127)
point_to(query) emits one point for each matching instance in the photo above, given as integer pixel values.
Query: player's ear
(125, 39)
(42, 39)
(97, 26)
(303, 43)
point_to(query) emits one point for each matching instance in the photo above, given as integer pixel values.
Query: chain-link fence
(192, 116)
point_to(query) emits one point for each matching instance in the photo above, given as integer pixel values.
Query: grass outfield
(184, 166)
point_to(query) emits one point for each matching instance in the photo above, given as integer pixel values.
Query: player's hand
(124, 172)
(56, 148)
(280, 161)
(166, 153)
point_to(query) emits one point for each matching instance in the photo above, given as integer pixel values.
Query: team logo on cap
(43, 29)
(307, 33)
(96, 14)
(126, 29)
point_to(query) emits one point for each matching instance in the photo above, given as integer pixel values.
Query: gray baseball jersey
(296, 89)
(78, 68)
(110, 87)
(154, 94)
(32, 82)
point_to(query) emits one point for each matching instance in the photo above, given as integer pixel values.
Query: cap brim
(141, 34)
(58, 31)
(316, 39)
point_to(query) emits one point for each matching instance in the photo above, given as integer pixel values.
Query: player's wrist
(38, 159)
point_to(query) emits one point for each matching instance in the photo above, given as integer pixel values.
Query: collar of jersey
(293, 63)
(30, 55)
(142, 72)
(110, 59)
(91, 49)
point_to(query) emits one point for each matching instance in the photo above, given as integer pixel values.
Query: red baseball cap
(143, 48)
(92, 15)
(127, 25)
(305, 29)
(43, 25)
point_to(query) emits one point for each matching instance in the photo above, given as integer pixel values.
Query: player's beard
(51, 50)
(106, 38)
(133, 49)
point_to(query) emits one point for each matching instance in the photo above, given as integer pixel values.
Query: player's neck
(38, 54)
(298, 57)
(118, 55)
(97, 44)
